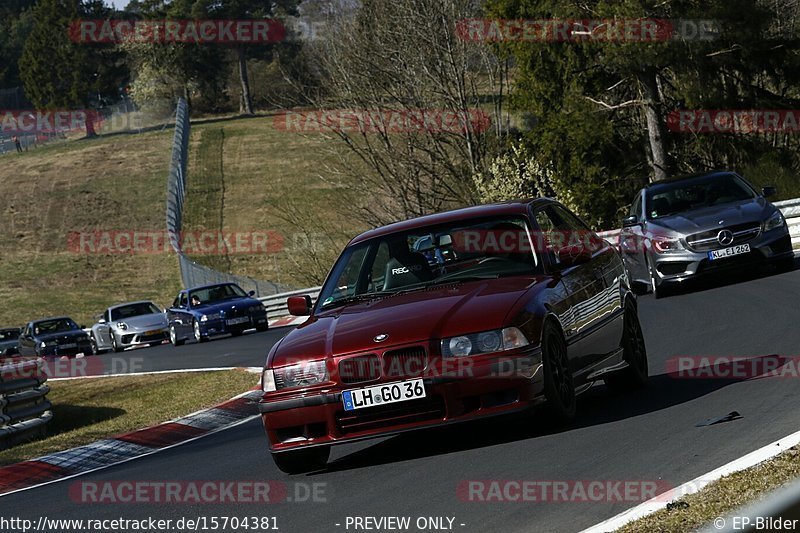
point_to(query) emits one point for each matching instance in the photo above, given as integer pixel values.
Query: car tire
(114, 347)
(302, 461)
(262, 327)
(173, 337)
(784, 265)
(93, 342)
(634, 376)
(237, 332)
(559, 388)
(198, 336)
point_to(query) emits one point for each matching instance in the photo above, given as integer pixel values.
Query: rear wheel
(302, 461)
(559, 389)
(634, 376)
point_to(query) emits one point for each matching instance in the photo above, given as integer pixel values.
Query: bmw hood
(716, 217)
(417, 316)
(145, 322)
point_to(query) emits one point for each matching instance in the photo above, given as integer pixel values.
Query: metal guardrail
(24, 407)
(192, 272)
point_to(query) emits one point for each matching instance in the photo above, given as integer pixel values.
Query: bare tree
(405, 58)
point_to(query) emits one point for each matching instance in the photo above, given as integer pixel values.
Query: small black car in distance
(54, 337)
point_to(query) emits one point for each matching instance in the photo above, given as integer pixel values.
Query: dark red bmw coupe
(447, 318)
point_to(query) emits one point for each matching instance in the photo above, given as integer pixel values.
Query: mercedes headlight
(302, 375)
(498, 340)
(665, 246)
(775, 221)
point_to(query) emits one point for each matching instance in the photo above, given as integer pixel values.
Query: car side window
(378, 271)
(559, 229)
(107, 316)
(183, 301)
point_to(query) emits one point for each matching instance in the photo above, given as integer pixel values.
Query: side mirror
(570, 256)
(251, 293)
(299, 305)
(630, 221)
(101, 321)
(769, 191)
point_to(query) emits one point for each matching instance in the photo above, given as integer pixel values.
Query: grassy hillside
(110, 183)
(244, 175)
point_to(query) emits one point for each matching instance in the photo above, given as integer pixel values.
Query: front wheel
(634, 376)
(302, 461)
(114, 346)
(559, 389)
(262, 327)
(173, 337)
(198, 336)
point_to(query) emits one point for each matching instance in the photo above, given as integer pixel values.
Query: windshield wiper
(355, 298)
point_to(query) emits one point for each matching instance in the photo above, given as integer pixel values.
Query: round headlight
(489, 341)
(460, 346)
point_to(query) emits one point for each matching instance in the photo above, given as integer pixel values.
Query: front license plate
(400, 391)
(153, 332)
(729, 252)
(70, 345)
(240, 320)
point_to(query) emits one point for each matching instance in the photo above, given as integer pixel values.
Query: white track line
(696, 485)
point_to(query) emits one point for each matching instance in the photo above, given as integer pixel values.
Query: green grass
(722, 497)
(266, 180)
(86, 410)
(117, 182)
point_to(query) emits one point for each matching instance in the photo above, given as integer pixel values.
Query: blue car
(202, 312)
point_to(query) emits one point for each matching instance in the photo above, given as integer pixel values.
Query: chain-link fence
(192, 273)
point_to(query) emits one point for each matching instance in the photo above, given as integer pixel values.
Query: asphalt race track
(647, 435)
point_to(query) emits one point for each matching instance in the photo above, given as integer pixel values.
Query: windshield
(686, 195)
(54, 326)
(464, 250)
(8, 334)
(130, 310)
(215, 294)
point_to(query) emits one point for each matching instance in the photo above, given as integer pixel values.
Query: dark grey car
(9, 341)
(683, 227)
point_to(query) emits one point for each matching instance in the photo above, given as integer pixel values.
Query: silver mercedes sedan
(129, 324)
(683, 227)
